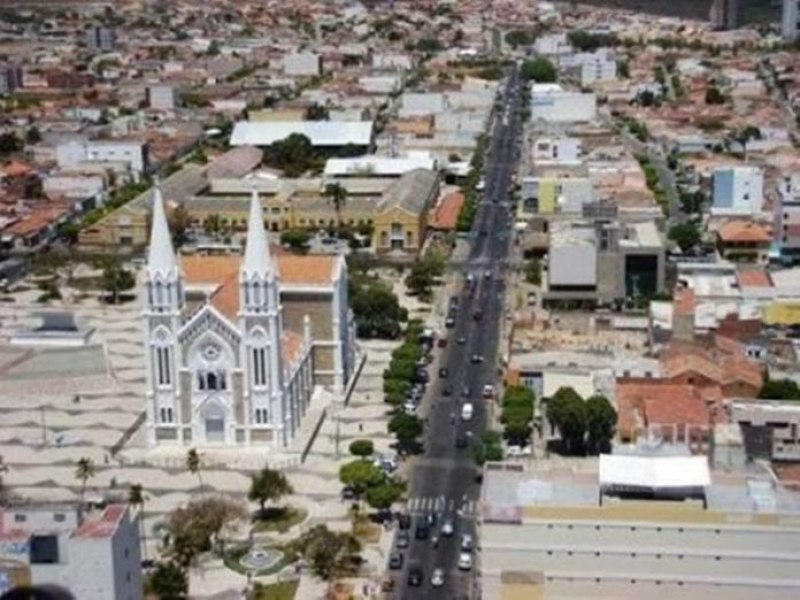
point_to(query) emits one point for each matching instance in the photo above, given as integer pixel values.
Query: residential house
(743, 241)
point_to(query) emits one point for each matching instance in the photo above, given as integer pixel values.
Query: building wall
(122, 228)
(406, 228)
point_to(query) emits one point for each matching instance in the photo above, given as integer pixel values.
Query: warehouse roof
(377, 166)
(320, 133)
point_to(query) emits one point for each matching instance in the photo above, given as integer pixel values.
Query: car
(462, 441)
(488, 391)
(437, 579)
(465, 561)
(476, 358)
(443, 372)
(448, 528)
(466, 392)
(422, 531)
(396, 561)
(487, 274)
(462, 340)
(477, 315)
(447, 391)
(404, 521)
(450, 322)
(467, 542)
(415, 576)
(403, 539)
(410, 408)
(483, 233)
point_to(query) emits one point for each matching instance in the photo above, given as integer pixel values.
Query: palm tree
(84, 471)
(338, 196)
(136, 498)
(194, 464)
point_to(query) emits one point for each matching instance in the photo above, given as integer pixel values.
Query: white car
(466, 542)
(518, 451)
(437, 579)
(465, 561)
(447, 528)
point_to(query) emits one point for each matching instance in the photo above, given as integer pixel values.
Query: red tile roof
(445, 215)
(719, 359)
(743, 231)
(37, 220)
(103, 527)
(753, 278)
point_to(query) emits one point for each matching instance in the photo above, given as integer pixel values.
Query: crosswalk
(444, 506)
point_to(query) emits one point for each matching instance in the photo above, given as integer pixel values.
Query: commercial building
(737, 191)
(631, 526)
(321, 134)
(552, 104)
(547, 195)
(133, 154)
(557, 151)
(770, 428)
(93, 556)
(236, 344)
(790, 20)
(603, 262)
(786, 246)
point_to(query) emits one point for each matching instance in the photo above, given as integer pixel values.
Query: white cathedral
(235, 344)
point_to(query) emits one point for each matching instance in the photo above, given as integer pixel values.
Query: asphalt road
(443, 479)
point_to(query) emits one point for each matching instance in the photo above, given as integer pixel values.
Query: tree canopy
(193, 527)
(686, 235)
(517, 414)
(293, 155)
(266, 485)
(424, 273)
(780, 389)
(384, 495)
(567, 412)
(117, 279)
(601, 424)
(362, 448)
(540, 70)
(376, 309)
(328, 552)
(361, 475)
(168, 581)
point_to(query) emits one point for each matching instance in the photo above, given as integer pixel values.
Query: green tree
(9, 143)
(429, 45)
(117, 279)
(328, 552)
(601, 424)
(168, 582)
(520, 37)
(179, 222)
(316, 112)
(136, 498)
(567, 411)
(296, 239)
(337, 196)
(406, 428)
(384, 495)
(517, 414)
(69, 232)
(193, 528)
(84, 471)
(376, 309)
(268, 485)
(714, 96)
(294, 155)
(686, 235)
(362, 448)
(361, 475)
(540, 70)
(779, 389)
(533, 271)
(194, 464)
(33, 136)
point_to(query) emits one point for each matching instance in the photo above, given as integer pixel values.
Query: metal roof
(320, 133)
(654, 472)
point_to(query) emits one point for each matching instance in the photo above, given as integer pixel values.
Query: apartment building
(603, 262)
(787, 220)
(737, 191)
(93, 556)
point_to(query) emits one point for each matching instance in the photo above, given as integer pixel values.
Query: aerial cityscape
(399, 299)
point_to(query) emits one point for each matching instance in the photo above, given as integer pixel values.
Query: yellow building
(782, 312)
(401, 218)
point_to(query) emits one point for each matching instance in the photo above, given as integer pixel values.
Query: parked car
(396, 561)
(466, 392)
(403, 539)
(467, 542)
(448, 528)
(488, 391)
(465, 561)
(422, 531)
(437, 579)
(461, 341)
(477, 315)
(476, 358)
(404, 521)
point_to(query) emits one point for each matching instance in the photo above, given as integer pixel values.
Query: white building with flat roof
(552, 104)
(320, 133)
(302, 64)
(737, 191)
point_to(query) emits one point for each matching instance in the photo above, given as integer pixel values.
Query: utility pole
(44, 428)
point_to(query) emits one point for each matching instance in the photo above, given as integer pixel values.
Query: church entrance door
(215, 430)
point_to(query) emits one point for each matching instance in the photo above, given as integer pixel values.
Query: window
(213, 381)
(59, 517)
(18, 518)
(261, 416)
(163, 367)
(259, 367)
(165, 414)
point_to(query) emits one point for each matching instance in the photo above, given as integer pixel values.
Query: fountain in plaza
(261, 559)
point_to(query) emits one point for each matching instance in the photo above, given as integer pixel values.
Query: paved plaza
(60, 404)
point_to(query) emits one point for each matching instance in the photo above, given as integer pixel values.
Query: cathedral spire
(161, 257)
(256, 254)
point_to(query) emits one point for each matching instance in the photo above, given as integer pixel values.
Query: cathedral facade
(236, 344)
